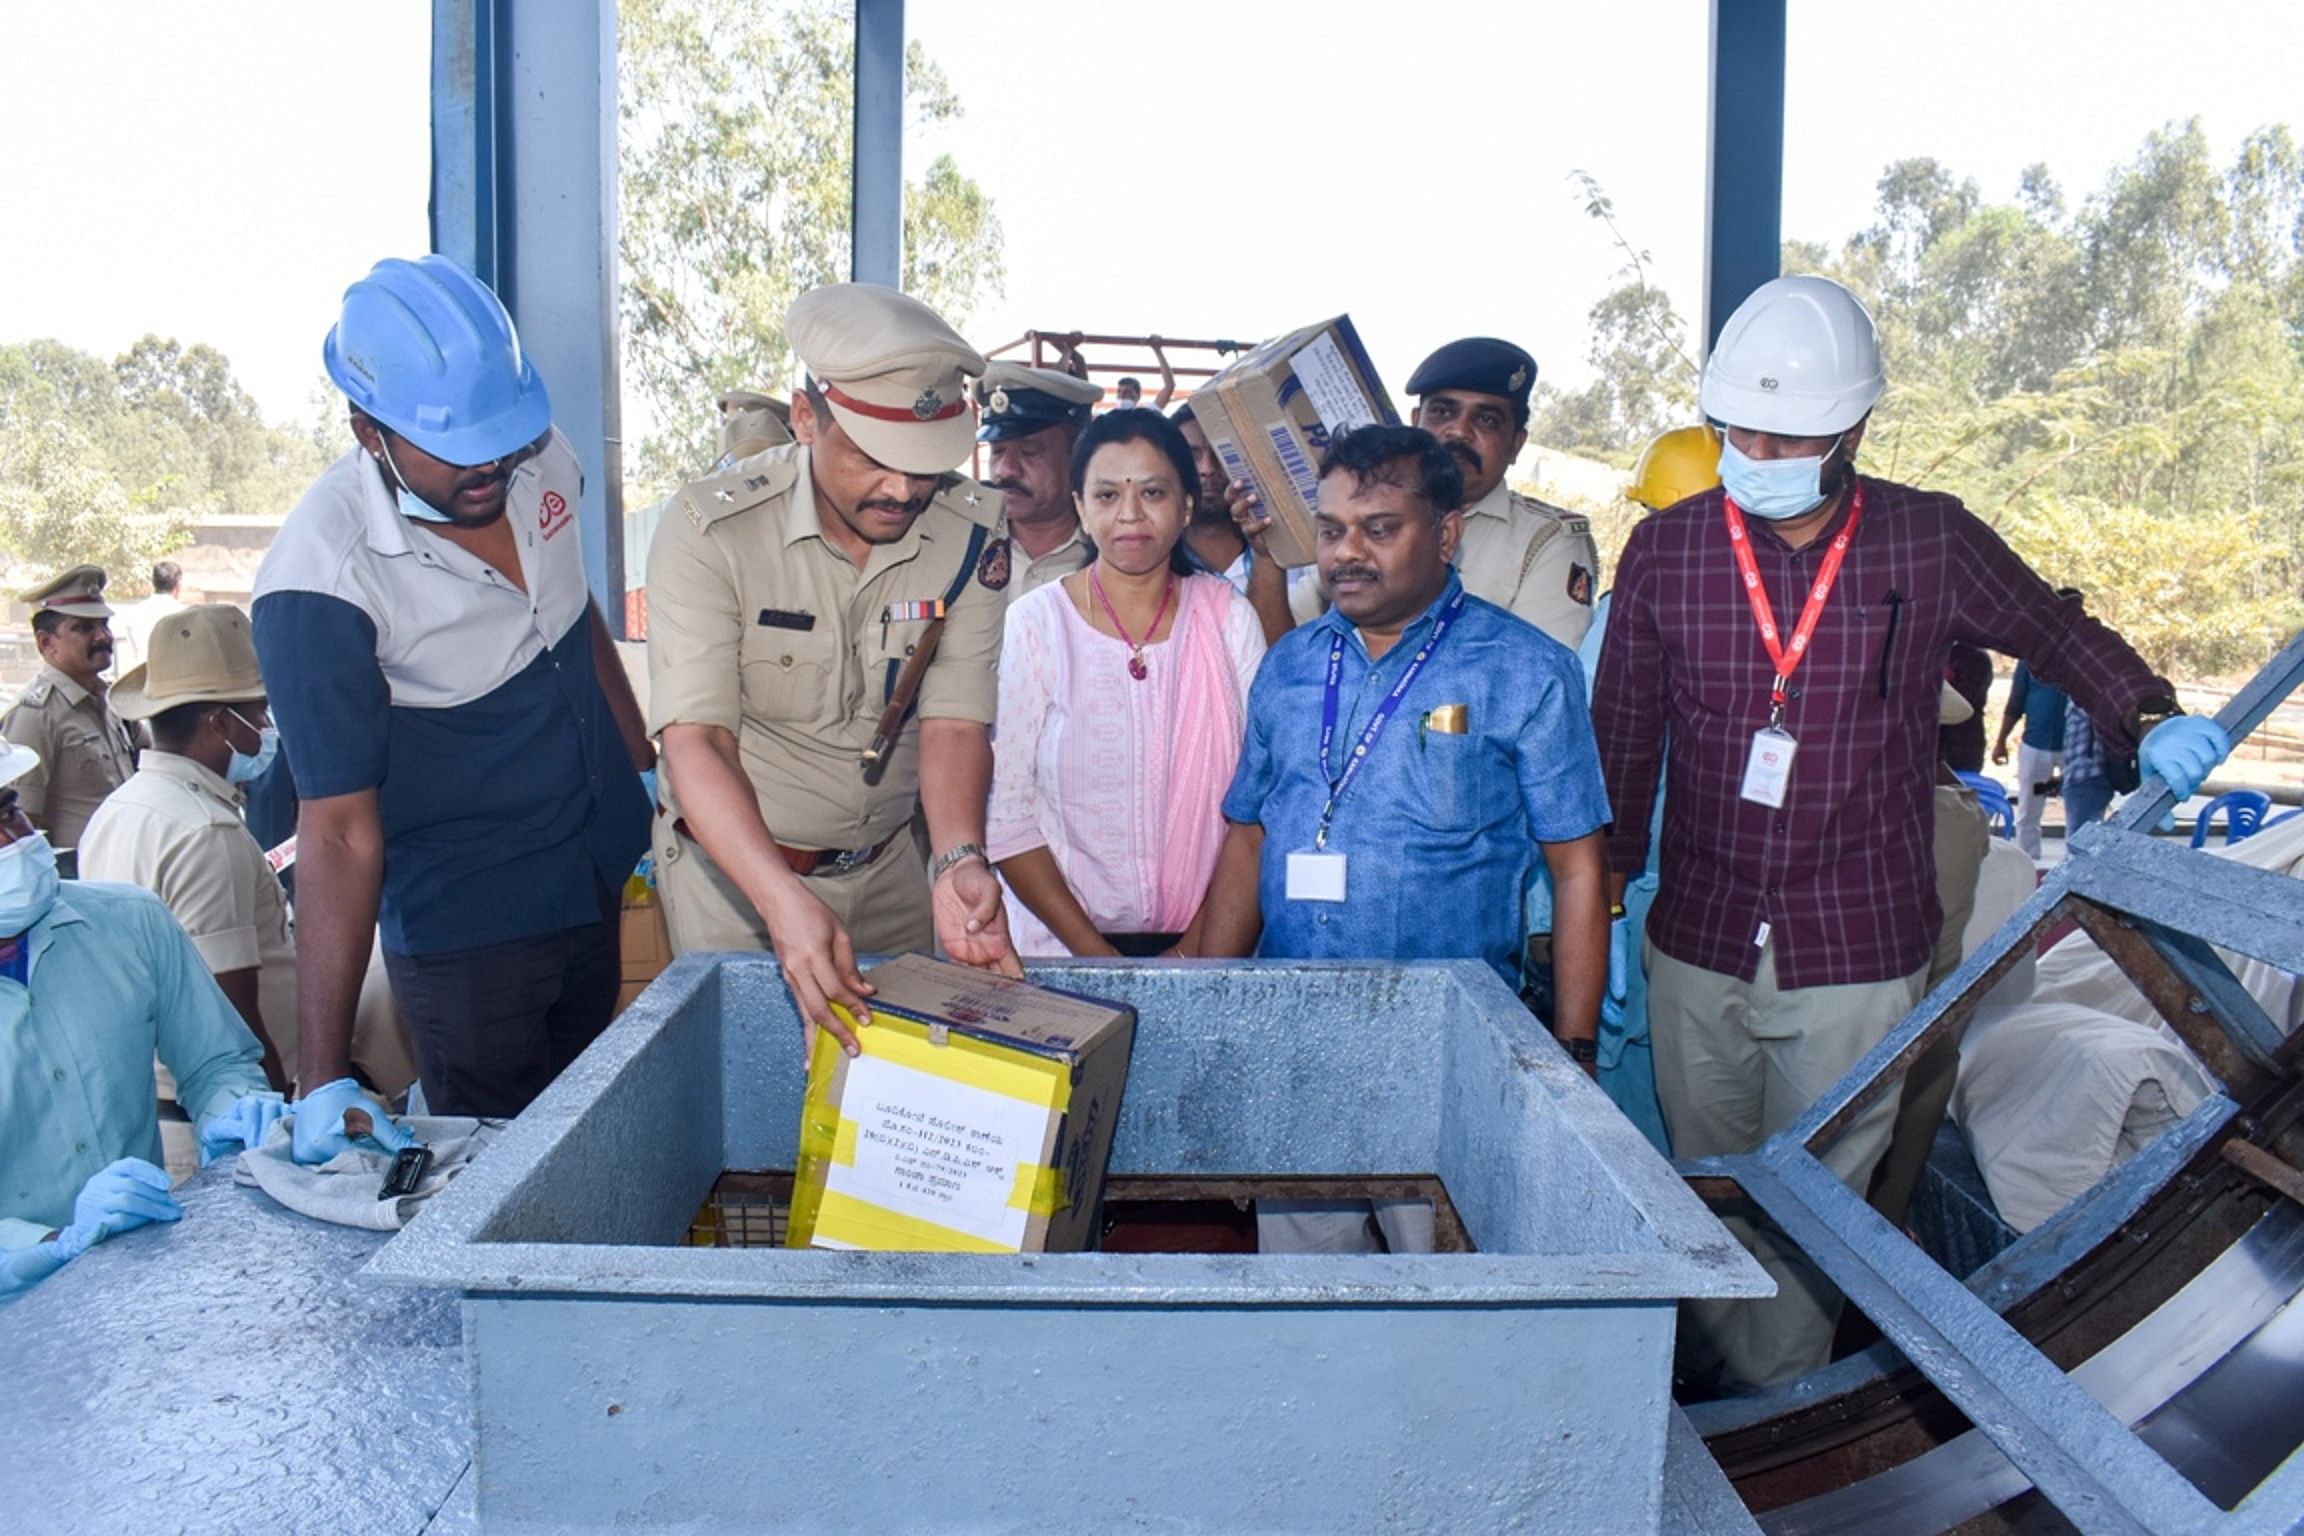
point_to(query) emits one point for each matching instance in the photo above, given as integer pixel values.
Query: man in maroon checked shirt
(1786, 634)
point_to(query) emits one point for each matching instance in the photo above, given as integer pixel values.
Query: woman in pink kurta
(1123, 691)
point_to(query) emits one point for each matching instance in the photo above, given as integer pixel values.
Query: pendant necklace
(1135, 646)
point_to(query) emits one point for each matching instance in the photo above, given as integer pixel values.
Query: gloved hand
(1619, 963)
(127, 1194)
(241, 1127)
(317, 1127)
(2182, 751)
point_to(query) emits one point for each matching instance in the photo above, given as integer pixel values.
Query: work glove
(316, 1124)
(1619, 974)
(128, 1194)
(2182, 751)
(241, 1127)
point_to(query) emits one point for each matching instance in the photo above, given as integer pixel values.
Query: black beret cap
(1481, 365)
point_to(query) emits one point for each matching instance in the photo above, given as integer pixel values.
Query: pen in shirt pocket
(1447, 719)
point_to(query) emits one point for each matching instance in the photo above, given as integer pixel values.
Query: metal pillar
(1744, 169)
(524, 193)
(876, 174)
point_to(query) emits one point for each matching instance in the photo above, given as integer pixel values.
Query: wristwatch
(1583, 1050)
(959, 854)
(2154, 710)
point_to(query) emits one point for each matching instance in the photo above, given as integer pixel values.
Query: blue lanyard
(1339, 783)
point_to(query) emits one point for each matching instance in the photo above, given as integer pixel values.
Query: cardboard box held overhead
(977, 1119)
(1270, 415)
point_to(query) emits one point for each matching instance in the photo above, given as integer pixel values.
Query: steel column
(1744, 172)
(876, 174)
(524, 193)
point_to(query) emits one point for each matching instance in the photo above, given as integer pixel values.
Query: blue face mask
(27, 883)
(411, 505)
(1774, 489)
(245, 767)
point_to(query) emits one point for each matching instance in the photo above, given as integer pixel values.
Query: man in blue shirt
(2041, 707)
(93, 985)
(1410, 755)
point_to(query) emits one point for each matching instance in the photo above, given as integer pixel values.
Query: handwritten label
(938, 1150)
(1329, 384)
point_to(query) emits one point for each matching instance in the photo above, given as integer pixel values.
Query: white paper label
(1768, 771)
(1315, 876)
(1328, 382)
(938, 1150)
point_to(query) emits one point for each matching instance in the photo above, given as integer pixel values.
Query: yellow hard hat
(1679, 464)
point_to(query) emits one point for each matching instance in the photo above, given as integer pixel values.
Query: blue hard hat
(425, 348)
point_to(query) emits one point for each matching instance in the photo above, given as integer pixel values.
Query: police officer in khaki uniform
(823, 628)
(750, 423)
(1538, 560)
(86, 751)
(1030, 418)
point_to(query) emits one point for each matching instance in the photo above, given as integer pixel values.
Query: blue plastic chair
(1998, 808)
(2243, 816)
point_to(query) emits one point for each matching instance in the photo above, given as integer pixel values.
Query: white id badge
(1768, 771)
(1315, 876)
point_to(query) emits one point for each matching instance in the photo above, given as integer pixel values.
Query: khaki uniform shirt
(175, 829)
(1074, 554)
(759, 625)
(86, 752)
(1536, 560)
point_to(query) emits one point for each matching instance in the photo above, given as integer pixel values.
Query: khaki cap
(751, 422)
(78, 594)
(895, 375)
(198, 655)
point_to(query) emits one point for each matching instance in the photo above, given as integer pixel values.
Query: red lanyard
(1788, 659)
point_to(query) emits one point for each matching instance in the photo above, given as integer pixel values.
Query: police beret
(1018, 401)
(78, 594)
(895, 375)
(1480, 365)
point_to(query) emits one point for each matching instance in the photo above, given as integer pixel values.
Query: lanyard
(1338, 783)
(1788, 659)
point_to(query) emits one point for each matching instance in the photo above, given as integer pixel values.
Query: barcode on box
(1292, 459)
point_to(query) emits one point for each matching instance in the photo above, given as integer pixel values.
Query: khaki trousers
(1962, 836)
(1736, 1062)
(884, 905)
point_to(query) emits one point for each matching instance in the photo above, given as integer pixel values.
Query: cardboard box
(977, 1120)
(645, 944)
(1269, 416)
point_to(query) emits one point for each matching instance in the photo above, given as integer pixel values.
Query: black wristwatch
(1583, 1050)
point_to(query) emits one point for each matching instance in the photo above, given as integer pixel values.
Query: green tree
(734, 153)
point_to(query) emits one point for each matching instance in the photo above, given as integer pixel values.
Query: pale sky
(1193, 167)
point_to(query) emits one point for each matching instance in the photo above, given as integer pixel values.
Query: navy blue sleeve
(327, 692)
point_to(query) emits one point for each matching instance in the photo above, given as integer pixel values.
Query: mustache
(493, 478)
(912, 507)
(1354, 573)
(1465, 452)
(1006, 487)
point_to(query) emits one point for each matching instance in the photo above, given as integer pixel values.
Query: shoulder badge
(1579, 586)
(993, 570)
(39, 690)
(1575, 522)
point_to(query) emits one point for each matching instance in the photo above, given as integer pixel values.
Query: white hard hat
(16, 760)
(1799, 358)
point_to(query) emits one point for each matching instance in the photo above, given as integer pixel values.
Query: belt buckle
(847, 859)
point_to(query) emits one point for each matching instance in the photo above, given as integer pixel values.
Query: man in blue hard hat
(463, 737)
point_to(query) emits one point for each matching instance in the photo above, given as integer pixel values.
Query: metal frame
(2159, 909)
(1744, 173)
(876, 174)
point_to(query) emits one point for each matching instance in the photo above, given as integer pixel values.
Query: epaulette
(973, 500)
(37, 691)
(1576, 522)
(739, 488)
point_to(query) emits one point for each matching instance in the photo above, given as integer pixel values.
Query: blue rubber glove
(317, 1123)
(128, 1194)
(2182, 752)
(240, 1128)
(1619, 959)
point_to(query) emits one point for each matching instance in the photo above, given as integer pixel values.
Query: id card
(1768, 771)
(1315, 876)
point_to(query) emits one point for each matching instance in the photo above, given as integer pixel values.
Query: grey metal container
(620, 1381)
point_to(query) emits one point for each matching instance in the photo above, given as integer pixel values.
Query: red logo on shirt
(552, 515)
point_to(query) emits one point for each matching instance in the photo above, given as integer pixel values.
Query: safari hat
(197, 655)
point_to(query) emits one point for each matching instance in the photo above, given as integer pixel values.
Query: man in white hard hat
(1782, 639)
(95, 981)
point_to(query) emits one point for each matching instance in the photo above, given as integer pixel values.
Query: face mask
(1774, 489)
(411, 505)
(245, 768)
(27, 883)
